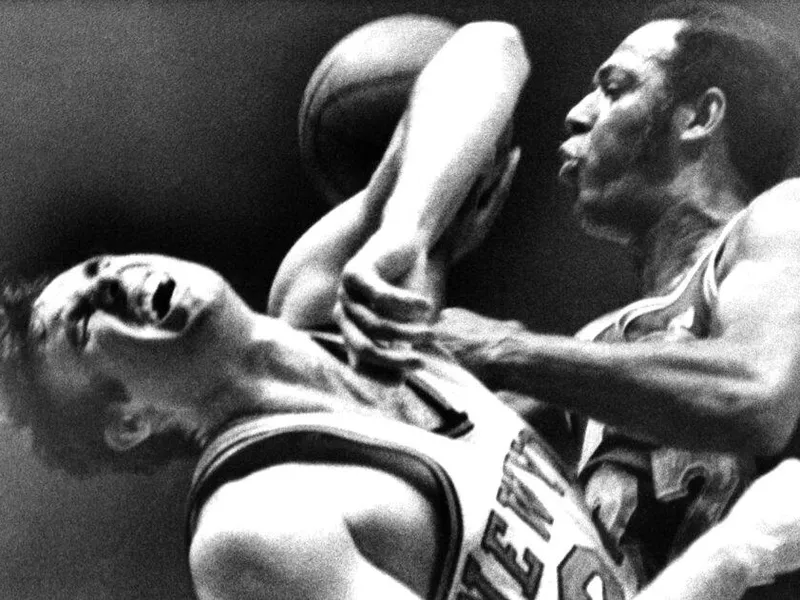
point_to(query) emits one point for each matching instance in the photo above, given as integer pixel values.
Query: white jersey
(519, 528)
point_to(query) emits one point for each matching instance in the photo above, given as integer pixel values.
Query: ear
(699, 121)
(126, 429)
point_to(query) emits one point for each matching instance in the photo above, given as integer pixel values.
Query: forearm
(650, 388)
(706, 570)
(460, 107)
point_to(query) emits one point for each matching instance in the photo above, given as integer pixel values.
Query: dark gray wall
(170, 127)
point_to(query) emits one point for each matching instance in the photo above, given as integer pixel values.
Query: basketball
(356, 96)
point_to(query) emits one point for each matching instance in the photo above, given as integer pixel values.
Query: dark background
(171, 127)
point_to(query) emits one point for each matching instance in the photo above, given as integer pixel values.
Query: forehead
(648, 46)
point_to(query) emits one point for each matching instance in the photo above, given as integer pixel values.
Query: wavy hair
(67, 435)
(756, 67)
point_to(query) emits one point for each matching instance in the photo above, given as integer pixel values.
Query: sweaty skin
(187, 352)
(737, 385)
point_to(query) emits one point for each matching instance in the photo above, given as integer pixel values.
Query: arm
(738, 388)
(757, 541)
(272, 536)
(460, 107)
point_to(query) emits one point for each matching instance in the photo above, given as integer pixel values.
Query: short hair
(756, 67)
(67, 435)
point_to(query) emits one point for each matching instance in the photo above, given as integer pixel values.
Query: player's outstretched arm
(737, 387)
(757, 541)
(457, 122)
(397, 236)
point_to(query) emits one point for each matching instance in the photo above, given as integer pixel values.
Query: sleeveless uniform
(517, 525)
(653, 501)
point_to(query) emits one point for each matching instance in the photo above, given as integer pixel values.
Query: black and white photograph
(399, 300)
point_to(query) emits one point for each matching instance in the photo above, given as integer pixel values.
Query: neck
(282, 370)
(697, 210)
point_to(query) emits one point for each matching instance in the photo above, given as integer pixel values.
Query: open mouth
(162, 298)
(155, 304)
(568, 173)
(151, 307)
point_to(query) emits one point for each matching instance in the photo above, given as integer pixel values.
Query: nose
(581, 117)
(106, 291)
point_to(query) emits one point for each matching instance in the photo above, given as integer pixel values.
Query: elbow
(494, 35)
(212, 561)
(760, 420)
(497, 40)
(777, 420)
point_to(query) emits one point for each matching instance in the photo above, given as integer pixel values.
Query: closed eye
(92, 267)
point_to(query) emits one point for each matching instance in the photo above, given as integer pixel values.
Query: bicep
(325, 566)
(255, 544)
(759, 291)
(758, 306)
(757, 320)
(304, 289)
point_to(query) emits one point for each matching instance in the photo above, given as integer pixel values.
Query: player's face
(159, 326)
(619, 153)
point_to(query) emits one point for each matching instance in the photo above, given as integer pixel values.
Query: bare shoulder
(268, 528)
(768, 231)
(294, 529)
(773, 217)
(304, 288)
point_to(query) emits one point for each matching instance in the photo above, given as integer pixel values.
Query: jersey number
(582, 575)
(721, 478)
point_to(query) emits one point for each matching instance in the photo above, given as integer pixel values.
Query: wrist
(424, 210)
(496, 356)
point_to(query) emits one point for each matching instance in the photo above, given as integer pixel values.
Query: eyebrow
(602, 74)
(605, 72)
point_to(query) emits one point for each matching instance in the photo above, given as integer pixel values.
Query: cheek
(137, 362)
(61, 369)
(119, 356)
(618, 140)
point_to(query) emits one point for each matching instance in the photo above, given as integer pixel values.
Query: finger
(356, 341)
(361, 349)
(379, 328)
(396, 359)
(383, 298)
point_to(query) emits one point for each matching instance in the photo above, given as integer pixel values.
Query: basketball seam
(384, 81)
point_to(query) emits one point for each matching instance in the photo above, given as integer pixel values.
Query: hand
(474, 340)
(763, 527)
(379, 308)
(390, 290)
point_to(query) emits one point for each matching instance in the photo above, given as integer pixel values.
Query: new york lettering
(522, 501)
